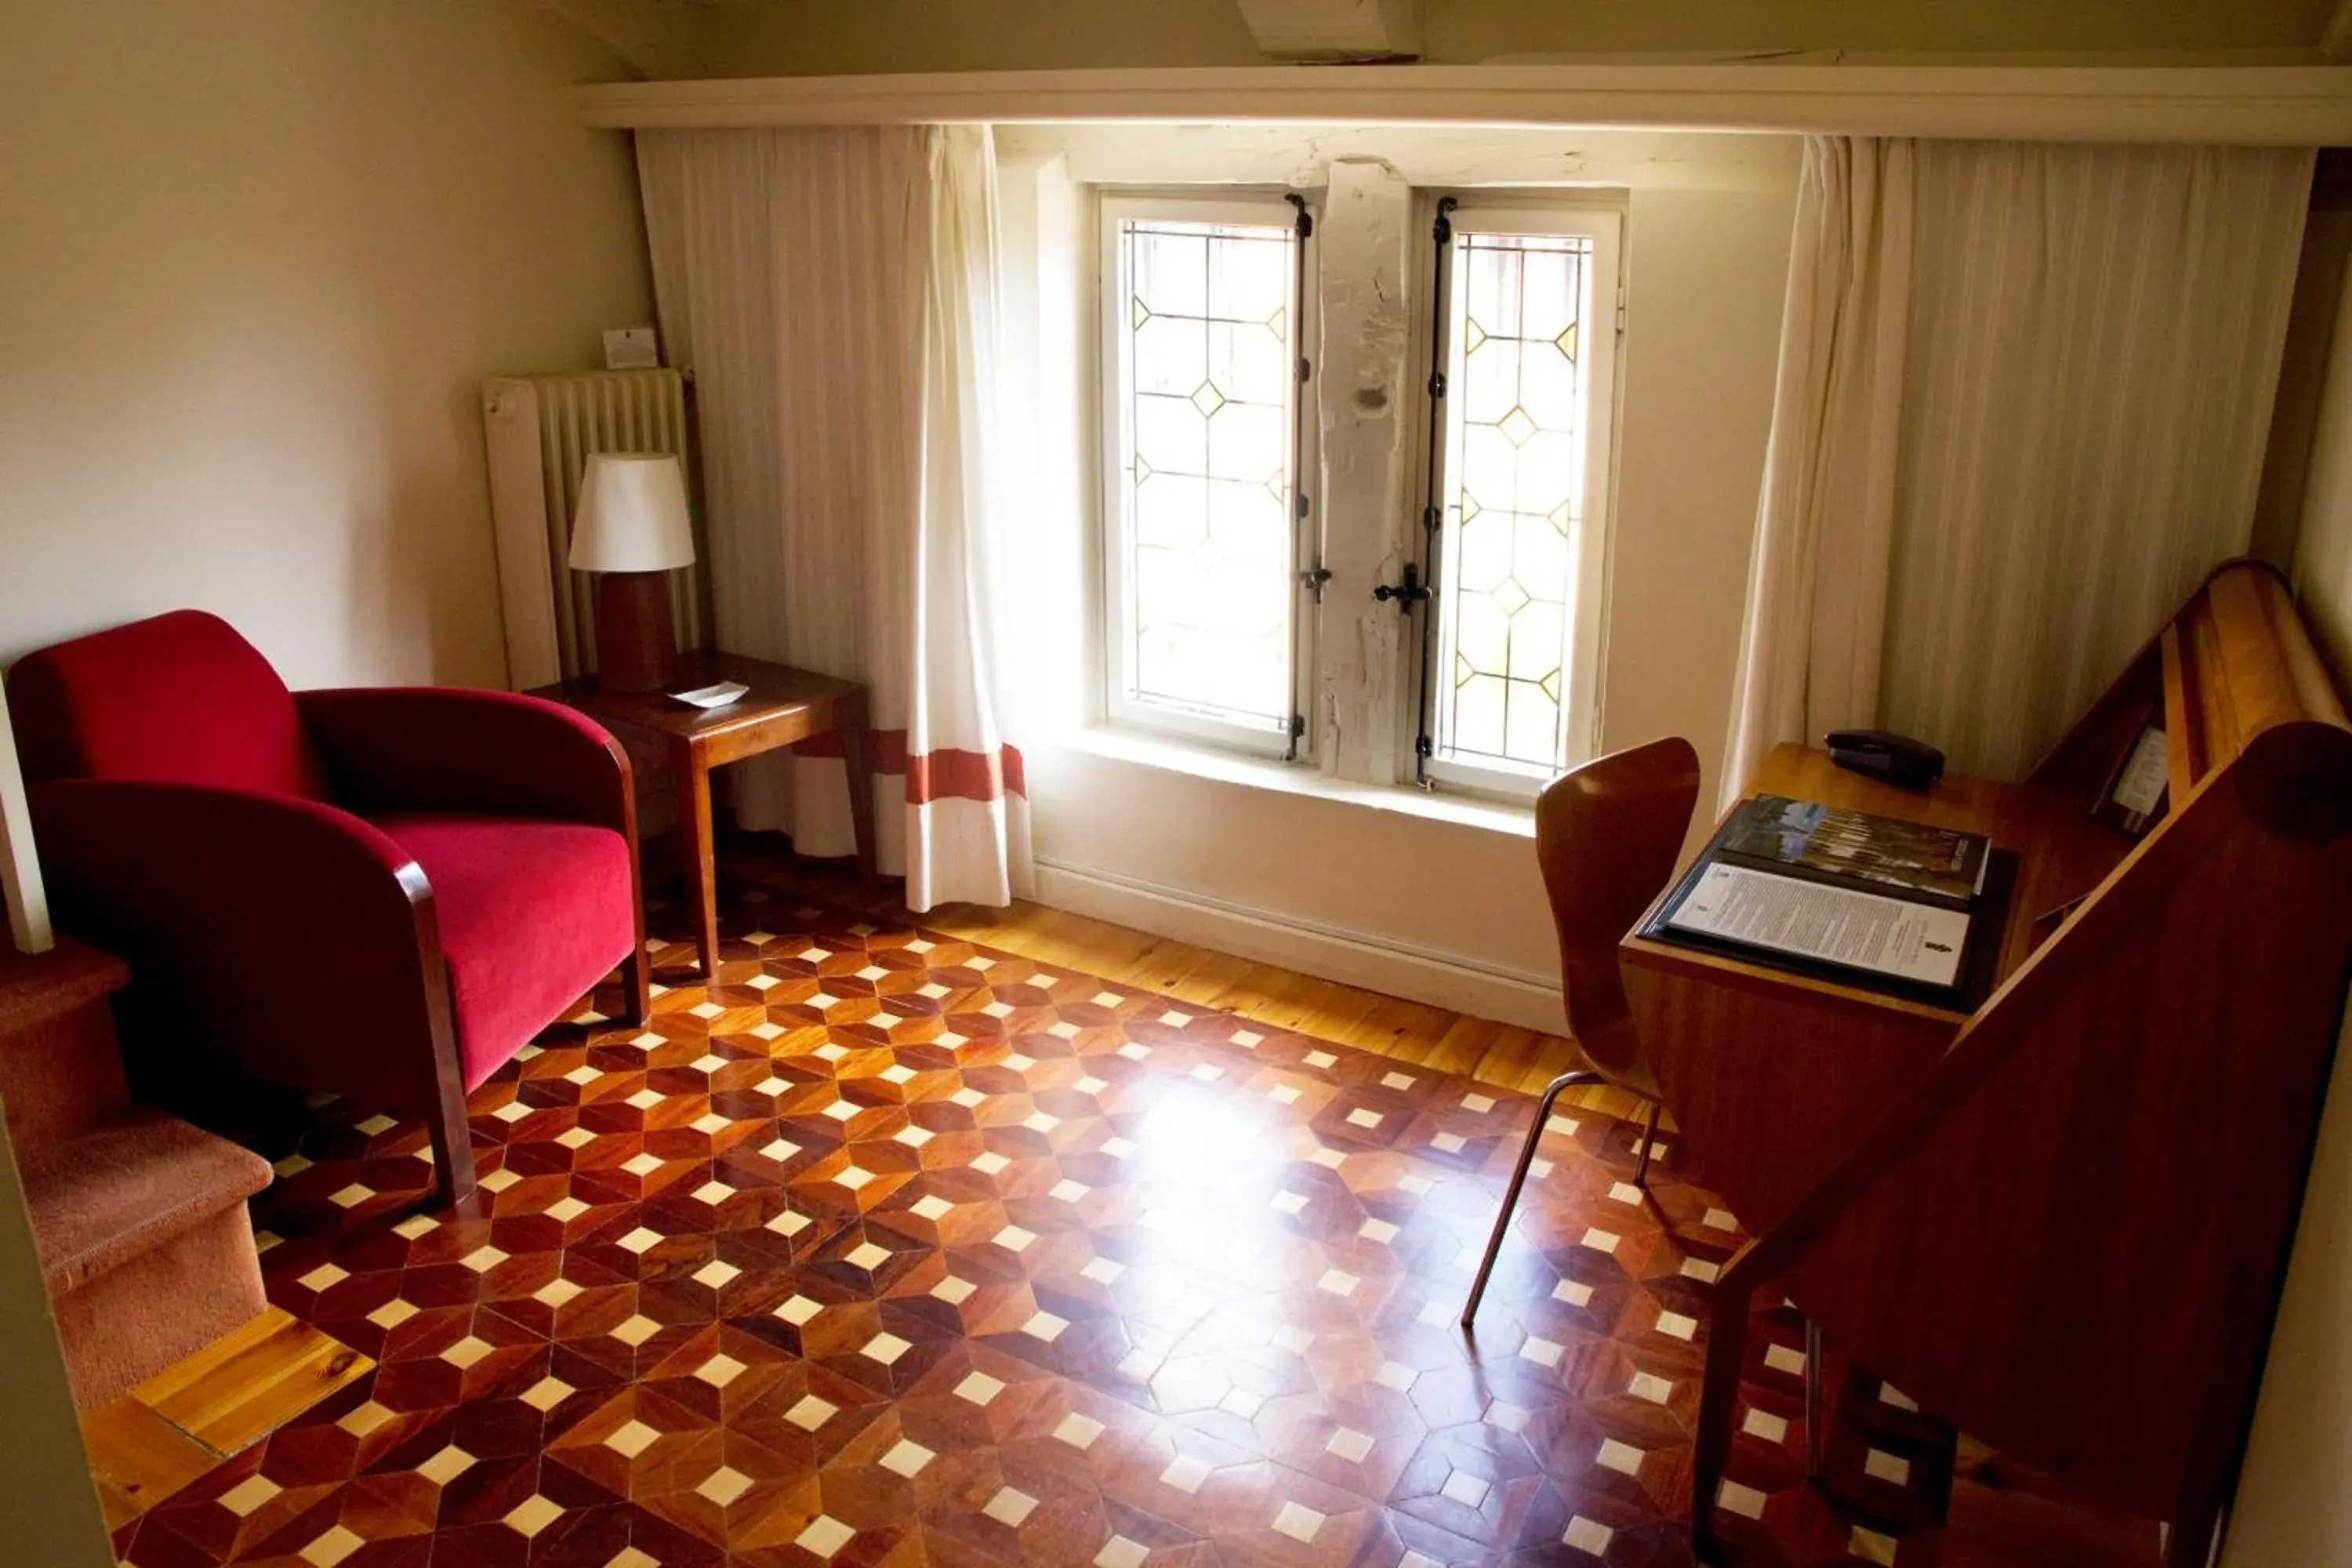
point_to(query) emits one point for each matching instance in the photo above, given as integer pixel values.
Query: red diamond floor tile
(888, 1248)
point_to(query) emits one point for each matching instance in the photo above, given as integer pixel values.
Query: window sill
(1151, 750)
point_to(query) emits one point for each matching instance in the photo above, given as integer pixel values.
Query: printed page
(1893, 936)
(2144, 777)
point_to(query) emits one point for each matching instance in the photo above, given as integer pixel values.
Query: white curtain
(1817, 579)
(2025, 395)
(834, 291)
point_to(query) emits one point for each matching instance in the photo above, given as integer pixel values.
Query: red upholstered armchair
(377, 893)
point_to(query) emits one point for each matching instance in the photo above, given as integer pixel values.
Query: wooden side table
(784, 705)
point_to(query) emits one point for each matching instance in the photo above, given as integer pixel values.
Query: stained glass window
(1513, 495)
(1207, 393)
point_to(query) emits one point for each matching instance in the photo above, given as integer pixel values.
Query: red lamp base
(637, 649)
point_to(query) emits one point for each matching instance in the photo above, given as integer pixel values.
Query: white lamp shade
(632, 515)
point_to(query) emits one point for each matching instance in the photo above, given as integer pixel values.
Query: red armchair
(377, 893)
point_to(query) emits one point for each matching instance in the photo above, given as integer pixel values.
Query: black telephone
(1881, 754)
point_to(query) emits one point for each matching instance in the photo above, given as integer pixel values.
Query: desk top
(777, 690)
(2062, 853)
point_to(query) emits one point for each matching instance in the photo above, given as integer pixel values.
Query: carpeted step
(138, 1183)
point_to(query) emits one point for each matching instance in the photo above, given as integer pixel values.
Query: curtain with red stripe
(832, 289)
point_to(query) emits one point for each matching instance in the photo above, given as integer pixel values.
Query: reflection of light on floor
(1209, 1169)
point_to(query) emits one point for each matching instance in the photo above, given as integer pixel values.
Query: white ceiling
(770, 38)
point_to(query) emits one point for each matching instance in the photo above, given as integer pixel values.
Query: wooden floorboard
(149, 1443)
(138, 1458)
(251, 1381)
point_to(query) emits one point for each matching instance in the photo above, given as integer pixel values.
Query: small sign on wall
(631, 348)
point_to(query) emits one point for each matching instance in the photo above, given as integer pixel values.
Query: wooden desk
(1727, 1037)
(2059, 1221)
(784, 705)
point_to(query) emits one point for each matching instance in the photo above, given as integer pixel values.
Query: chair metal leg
(1649, 1136)
(1816, 1440)
(1519, 1179)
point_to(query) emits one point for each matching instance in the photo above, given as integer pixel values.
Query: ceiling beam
(2250, 105)
(1335, 30)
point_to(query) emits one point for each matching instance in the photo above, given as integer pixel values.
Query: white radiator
(540, 430)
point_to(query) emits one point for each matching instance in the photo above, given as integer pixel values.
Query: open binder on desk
(1900, 907)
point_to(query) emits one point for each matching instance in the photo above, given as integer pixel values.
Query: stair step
(135, 1184)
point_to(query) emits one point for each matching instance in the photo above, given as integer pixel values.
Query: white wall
(2294, 1499)
(1438, 901)
(256, 256)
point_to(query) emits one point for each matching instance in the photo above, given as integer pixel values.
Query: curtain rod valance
(2246, 105)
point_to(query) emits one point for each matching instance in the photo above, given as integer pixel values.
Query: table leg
(695, 837)
(1727, 1345)
(856, 755)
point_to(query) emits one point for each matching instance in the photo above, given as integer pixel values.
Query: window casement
(1206, 621)
(1523, 348)
(1212, 550)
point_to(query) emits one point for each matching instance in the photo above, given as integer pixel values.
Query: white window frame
(1601, 220)
(1260, 208)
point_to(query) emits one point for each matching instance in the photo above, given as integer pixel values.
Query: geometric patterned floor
(888, 1248)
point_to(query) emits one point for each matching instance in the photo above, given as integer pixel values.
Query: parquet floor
(1436, 1038)
(1009, 1237)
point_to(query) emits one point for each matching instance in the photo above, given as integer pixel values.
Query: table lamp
(631, 528)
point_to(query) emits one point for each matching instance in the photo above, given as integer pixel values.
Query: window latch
(1407, 593)
(1313, 579)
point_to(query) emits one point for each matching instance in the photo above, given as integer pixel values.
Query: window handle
(1407, 593)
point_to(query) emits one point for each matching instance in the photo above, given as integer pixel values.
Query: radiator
(540, 430)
